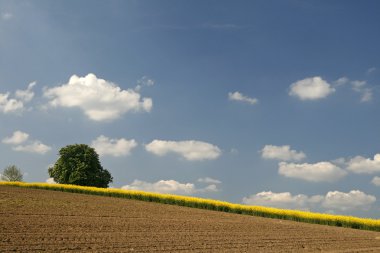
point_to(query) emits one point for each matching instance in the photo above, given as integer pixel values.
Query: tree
(79, 164)
(12, 174)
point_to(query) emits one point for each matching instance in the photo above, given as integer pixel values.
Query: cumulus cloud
(316, 88)
(50, 181)
(357, 85)
(341, 81)
(362, 88)
(190, 150)
(209, 188)
(312, 88)
(333, 200)
(237, 96)
(10, 105)
(317, 172)
(162, 186)
(366, 95)
(15, 104)
(282, 200)
(21, 142)
(362, 165)
(113, 147)
(99, 99)
(376, 181)
(17, 137)
(26, 95)
(33, 147)
(352, 200)
(208, 180)
(341, 161)
(169, 186)
(283, 153)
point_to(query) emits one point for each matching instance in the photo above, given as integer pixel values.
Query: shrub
(12, 174)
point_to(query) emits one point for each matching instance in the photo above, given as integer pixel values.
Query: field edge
(209, 204)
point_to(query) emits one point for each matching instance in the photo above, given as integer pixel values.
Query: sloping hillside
(41, 220)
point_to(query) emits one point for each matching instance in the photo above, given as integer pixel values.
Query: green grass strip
(216, 205)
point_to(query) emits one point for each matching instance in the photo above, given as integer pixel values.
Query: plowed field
(40, 220)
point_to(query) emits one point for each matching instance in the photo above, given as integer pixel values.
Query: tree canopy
(12, 173)
(79, 164)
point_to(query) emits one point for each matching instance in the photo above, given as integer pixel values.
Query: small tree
(79, 164)
(12, 174)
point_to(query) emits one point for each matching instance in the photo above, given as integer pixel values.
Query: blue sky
(260, 102)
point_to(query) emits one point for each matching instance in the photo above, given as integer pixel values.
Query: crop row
(216, 205)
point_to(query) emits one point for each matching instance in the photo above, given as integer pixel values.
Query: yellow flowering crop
(295, 215)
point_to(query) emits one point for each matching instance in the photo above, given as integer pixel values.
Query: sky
(272, 103)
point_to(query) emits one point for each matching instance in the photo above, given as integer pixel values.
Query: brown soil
(39, 220)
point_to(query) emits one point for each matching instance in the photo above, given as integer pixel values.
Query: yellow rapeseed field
(295, 215)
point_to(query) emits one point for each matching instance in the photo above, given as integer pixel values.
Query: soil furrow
(49, 221)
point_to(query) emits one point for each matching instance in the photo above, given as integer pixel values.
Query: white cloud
(366, 95)
(33, 147)
(353, 200)
(26, 95)
(190, 150)
(364, 165)
(282, 200)
(333, 200)
(169, 186)
(358, 85)
(209, 188)
(50, 181)
(341, 81)
(237, 96)
(18, 137)
(361, 87)
(317, 172)
(283, 153)
(376, 181)
(20, 142)
(340, 161)
(10, 105)
(144, 81)
(99, 99)
(208, 180)
(312, 88)
(16, 105)
(113, 147)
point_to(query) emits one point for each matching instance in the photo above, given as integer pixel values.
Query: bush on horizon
(12, 174)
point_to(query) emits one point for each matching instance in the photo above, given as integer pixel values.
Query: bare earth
(39, 220)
